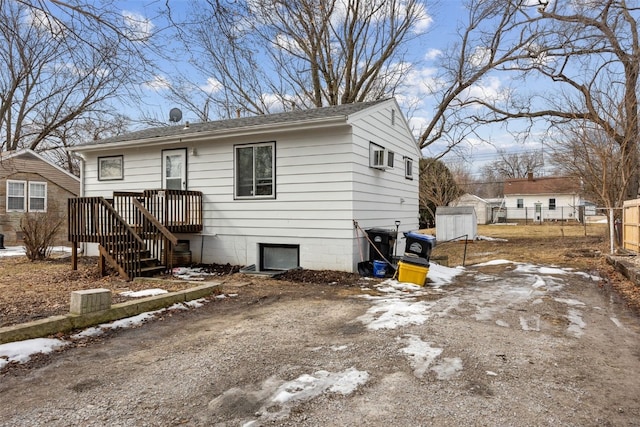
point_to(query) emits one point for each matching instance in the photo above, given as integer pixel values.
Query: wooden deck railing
(180, 211)
(93, 219)
(135, 228)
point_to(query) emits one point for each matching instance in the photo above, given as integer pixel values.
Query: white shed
(481, 206)
(456, 223)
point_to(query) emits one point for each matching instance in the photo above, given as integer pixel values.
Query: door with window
(174, 169)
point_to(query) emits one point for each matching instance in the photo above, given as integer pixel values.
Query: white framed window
(520, 203)
(37, 196)
(110, 168)
(552, 204)
(254, 169)
(377, 156)
(16, 196)
(390, 158)
(408, 168)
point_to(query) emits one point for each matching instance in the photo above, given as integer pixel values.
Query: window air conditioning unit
(377, 156)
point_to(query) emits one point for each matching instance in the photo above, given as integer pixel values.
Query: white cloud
(480, 56)
(139, 27)
(158, 83)
(424, 21)
(212, 85)
(489, 89)
(45, 22)
(432, 54)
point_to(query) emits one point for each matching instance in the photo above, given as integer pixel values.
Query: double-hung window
(520, 203)
(552, 204)
(23, 196)
(37, 196)
(255, 171)
(16, 196)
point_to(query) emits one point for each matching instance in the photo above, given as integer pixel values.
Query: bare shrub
(40, 229)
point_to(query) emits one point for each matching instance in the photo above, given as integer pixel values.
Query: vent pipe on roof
(530, 176)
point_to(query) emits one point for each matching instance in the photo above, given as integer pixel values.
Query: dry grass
(34, 290)
(571, 245)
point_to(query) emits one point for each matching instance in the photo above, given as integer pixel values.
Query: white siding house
(540, 199)
(279, 190)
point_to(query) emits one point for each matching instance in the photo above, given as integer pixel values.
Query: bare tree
(580, 61)
(79, 131)
(592, 156)
(515, 165)
(267, 55)
(62, 62)
(437, 187)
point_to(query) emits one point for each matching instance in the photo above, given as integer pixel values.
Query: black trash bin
(2, 241)
(382, 239)
(419, 244)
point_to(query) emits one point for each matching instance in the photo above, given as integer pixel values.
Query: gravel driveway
(502, 344)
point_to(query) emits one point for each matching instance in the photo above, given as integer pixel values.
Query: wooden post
(74, 255)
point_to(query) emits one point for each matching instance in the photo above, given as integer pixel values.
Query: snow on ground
(10, 251)
(21, 351)
(144, 293)
(396, 305)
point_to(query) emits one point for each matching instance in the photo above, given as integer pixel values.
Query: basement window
(278, 257)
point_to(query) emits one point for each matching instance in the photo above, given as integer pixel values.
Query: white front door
(174, 169)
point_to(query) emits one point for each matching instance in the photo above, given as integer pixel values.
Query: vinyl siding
(323, 182)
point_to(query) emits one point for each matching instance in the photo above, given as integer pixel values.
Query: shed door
(174, 169)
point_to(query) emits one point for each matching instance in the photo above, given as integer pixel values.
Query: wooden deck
(134, 230)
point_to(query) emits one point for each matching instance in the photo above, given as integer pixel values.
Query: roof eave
(215, 134)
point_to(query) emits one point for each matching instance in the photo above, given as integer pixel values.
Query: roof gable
(28, 161)
(545, 185)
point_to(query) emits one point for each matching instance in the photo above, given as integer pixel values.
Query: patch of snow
(502, 323)
(307, 387)
(10, 251)
(420, 354)
(491, 239)
(493, 262)
(448, 368)
(576, 328)
(395, 312)
(144, 293)
(440, 275)
(21, 351)
(616, 322)
(571, 302)
(195, 303)
(530, 324)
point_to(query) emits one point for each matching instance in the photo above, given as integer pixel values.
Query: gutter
(212, 135)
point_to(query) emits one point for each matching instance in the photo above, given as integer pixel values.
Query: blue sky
(442, 28)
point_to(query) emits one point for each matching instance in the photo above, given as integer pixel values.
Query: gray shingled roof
(343, 110)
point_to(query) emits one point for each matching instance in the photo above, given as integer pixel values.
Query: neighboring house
(30, 183)
(542, 199)
(275, 191)
(481, 206)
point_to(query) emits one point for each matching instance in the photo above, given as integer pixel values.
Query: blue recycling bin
(419, 244)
